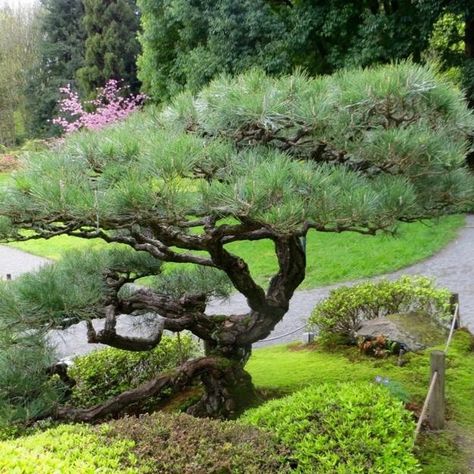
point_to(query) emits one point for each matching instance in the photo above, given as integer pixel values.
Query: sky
(17, 3)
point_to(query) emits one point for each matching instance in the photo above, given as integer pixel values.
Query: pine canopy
(357, 150)
(248, 158)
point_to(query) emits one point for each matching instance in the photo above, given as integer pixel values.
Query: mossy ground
(288, 368)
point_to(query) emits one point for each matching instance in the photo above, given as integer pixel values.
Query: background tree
(247, 159)
(187, 42)
(61, 51)
(18, 40)
(111, 46)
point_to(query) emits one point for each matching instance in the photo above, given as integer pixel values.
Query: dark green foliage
(181, 444)
(26, 390)
(61, 51)
(188, 42)
(109, 372)
(346, 307)
(347, 428)
(111, 47)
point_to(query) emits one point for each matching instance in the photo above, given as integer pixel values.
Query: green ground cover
(277, 370)
(331, 257)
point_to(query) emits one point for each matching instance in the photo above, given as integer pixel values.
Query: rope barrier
(284, 335)
(435, 374)
(425, 405)
(453, 325)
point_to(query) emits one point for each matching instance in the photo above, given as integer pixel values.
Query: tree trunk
(228, 389)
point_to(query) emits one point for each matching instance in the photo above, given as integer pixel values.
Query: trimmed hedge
(103, 374)
(158, 443)
(348, 428)
(346, 307)
(68, 449)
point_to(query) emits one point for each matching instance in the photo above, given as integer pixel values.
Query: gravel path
(15, 262)
(452, 267)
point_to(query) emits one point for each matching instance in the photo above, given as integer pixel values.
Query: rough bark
(223, 378)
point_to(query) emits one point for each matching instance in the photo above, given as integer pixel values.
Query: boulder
(413, 331)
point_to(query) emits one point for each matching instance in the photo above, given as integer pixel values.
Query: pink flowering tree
(110, 105)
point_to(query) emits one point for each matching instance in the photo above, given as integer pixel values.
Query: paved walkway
(453, 268)
(15, 262)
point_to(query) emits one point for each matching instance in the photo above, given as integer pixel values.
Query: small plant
(104, 374)
(346, 307)
(110, 105)
(347, 428)
(379, 346)
(182, 444)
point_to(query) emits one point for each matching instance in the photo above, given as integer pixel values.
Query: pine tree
(249, 158)
(111, 47)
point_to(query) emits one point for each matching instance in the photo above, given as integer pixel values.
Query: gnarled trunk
(228, 388)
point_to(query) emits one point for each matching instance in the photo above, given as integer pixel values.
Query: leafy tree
(187, 42)
(111, 47)
(247, 159)
(18, 38)
(61, 49)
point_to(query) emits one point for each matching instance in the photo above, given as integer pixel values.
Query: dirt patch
(8, 163)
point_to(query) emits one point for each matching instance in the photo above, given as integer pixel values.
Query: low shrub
(158, 443)
(346, 307)
(106, 373)
(347, 428)
(68, 449)
(182, 444)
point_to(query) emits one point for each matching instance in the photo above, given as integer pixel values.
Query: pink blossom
(109, 106)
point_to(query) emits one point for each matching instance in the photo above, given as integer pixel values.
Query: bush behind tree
(102, 375)
(346, 307)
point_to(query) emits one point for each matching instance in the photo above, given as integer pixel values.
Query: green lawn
(288, 368)
(331, 257)
(4, 177)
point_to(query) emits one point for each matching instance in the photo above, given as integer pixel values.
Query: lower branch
(221, 377)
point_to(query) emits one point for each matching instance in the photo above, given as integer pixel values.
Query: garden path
(452, 267)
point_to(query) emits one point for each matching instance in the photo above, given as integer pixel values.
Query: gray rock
(413, 331)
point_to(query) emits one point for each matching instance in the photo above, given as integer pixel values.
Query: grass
(331, 257)
(289, 368)
(4, 177)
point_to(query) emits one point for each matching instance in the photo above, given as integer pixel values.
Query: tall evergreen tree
(61, 50)
(111, 46)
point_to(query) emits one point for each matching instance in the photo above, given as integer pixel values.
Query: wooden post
(453, 301)
(436, 409)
